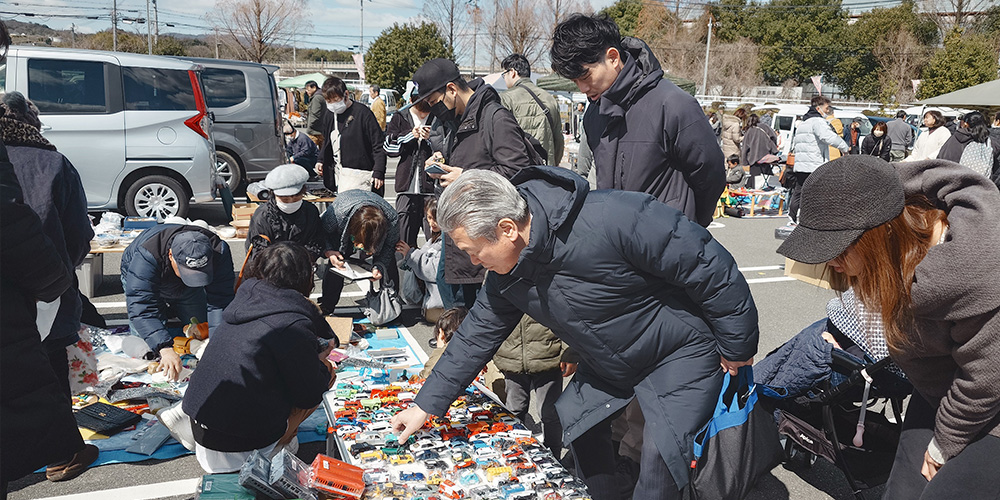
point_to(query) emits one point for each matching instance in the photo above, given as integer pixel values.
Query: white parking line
(142, 492)
(770, 280)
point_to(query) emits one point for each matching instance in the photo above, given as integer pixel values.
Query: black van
(247, 130)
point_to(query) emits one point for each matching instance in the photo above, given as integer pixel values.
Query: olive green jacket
(532, 118)
(532, 348)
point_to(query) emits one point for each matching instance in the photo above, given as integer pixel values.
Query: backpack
(978, 156)
(536, 152)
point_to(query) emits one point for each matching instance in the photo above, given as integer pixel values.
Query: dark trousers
(309, 164)
(411, 217)
(333, 286)
(970, 474)
(595, 464)
(795, 198)
(59, 360)
(456, 295)
(547, 386)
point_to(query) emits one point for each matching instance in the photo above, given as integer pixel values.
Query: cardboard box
(814, 274)
(243, 211)
(342, 327)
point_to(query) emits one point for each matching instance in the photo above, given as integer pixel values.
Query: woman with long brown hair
(929, 142)
(918, 244)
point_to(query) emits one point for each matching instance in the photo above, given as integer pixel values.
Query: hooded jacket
(532, 348)
(263, 361)
(533, 118)
(646, 298)
(37, 427)
(335, 221)
(814, 137)
(149, 281)
(465, 147)
(955, 299)
(302, 226)
(53, 189)
(648, 135)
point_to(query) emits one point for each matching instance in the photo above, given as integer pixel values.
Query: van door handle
(46, 127)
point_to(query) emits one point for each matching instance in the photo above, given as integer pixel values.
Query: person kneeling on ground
(265, 369)
(445, 327)
(285, 216)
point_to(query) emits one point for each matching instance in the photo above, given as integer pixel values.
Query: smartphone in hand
(435, 169)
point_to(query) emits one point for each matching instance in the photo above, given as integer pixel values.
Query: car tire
(228, 168)
(156, 196)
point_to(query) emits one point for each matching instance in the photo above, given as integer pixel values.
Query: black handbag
(105, 419)
(737, 446)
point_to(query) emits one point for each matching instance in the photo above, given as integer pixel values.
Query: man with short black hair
(900, 136)
(479, 133)
(315, 113)
(646, 134)
(535, 110)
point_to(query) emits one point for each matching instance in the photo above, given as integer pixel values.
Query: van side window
(158, 89)
(63, 86)
(224, 87)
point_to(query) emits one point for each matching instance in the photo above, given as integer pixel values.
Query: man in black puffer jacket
(646, 133)
(648, 300)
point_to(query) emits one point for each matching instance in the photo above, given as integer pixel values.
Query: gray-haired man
(646, 298)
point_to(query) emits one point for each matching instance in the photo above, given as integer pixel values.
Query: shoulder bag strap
(548, 115)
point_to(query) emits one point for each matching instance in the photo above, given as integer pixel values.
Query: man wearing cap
(285, 216)
(301, 150)
(479, 134)
(175, 271)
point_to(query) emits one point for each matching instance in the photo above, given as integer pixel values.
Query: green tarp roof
(984, 95)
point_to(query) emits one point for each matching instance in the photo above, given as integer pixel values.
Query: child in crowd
(424, 262)
(734, 172)
(445, 327)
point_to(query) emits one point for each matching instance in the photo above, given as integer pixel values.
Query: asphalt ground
(785, 306)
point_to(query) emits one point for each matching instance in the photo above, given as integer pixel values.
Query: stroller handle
(841, 359)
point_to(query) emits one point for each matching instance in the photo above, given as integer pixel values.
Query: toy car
(359, 448)
(403, 458)
(426, 455)
(433, 465)
(451, 490)
(464, 464)
(376, 476)
(410, 476)
(469, 478)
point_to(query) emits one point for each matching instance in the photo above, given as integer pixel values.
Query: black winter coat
(877, 146)
(302, 227)
(361, 140)
(465, 147)
(648, 135)
(400, 143)
(263, 361)
(53, 189)
(37, 427)
(646, 298)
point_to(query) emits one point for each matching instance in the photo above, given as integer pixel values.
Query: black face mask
(442, 112)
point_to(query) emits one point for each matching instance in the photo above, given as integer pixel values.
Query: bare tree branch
(254, 28)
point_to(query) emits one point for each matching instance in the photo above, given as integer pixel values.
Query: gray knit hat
(841, 200)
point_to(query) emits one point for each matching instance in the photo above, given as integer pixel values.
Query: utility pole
(493, 44)
(708, 47)
(475, 30)
(72, 31)
(361, 42)
(216, 43)
(294, 57)
(156, 24)
(114, 25)
(149, 31)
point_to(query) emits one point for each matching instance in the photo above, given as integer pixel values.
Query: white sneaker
(179, 425)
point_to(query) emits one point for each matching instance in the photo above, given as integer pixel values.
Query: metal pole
(156, 24)
(72, 28)
(216, 43)
(361, 43)
(708, 47)
(149, 31)
(493, 44)
(475, 30)
(114, 25)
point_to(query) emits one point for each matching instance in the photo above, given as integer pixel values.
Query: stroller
(841, 403)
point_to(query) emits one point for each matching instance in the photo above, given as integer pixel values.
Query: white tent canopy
(982, 95)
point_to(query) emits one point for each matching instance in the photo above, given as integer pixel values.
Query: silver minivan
(136, 127)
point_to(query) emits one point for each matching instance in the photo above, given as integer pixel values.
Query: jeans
(970, 474)
(595, 463)
(547, 387)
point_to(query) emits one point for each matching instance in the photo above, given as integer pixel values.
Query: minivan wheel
(156, 196)
(229, 170)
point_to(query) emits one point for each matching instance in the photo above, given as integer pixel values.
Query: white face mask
(337, 107)
(877, 133)
(288, 208)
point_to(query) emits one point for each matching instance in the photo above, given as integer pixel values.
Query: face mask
(442, 112)
(337, 107)
(288, 208)
(877, 133)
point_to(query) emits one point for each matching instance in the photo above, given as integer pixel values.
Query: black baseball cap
(192, 251)
(841, 200)
(433, 75)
